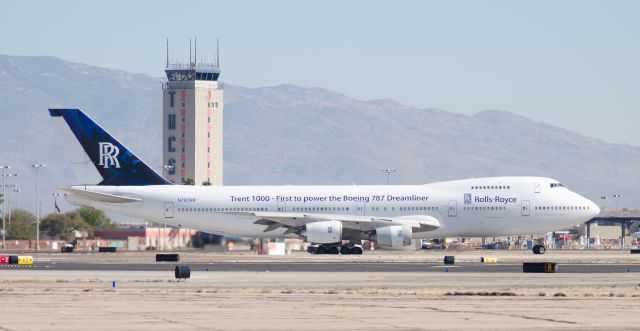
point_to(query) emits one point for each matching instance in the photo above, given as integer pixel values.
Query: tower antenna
(218, 52)
(167, 52)
(195, 51)
(189, 51)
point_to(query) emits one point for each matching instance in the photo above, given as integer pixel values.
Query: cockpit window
(556, 185)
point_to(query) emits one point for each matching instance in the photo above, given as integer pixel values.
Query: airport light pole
(14, 201)
(604, 205)
(37, 167)
(388, 172)
(4, 207)
(617, 196)
(4, 197)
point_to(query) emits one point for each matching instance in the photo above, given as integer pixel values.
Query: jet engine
(394, 236)
(324, 232)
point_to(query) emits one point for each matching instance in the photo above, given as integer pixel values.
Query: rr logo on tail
(109, 155)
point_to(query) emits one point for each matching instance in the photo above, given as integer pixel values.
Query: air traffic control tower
(192, 124)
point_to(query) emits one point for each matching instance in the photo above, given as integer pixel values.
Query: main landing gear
(539, 249)
(335, 249)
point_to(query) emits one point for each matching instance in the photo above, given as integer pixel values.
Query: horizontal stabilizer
(99, 197)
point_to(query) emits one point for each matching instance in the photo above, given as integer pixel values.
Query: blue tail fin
(115, 163)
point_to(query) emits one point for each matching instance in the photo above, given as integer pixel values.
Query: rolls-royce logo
(467, 198)
(108, 155)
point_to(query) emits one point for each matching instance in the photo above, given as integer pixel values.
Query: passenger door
(361, 208)
(453, 208)
(525, 208)
(168, 210)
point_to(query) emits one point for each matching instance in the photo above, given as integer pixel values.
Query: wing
(97, 196)
(294, 222)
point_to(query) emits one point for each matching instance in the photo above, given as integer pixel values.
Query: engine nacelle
(394, 236)
(324, 232)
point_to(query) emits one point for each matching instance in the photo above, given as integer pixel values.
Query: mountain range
(288, 134)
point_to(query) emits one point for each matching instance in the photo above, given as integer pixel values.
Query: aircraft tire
(538, 249)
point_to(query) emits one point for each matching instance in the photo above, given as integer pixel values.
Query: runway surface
(326, 267)
(375, 291)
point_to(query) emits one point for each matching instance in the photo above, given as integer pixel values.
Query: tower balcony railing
(193, 66)
(187, 85)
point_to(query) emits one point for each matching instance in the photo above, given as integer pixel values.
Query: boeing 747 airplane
(391, 215)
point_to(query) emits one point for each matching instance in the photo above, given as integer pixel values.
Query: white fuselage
(473, 207)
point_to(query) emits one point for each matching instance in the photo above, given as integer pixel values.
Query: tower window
(172, 122)
(172, 168)
(171, 96)
(170, 147)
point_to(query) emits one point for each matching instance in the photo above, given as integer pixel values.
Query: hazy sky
(569, 63)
